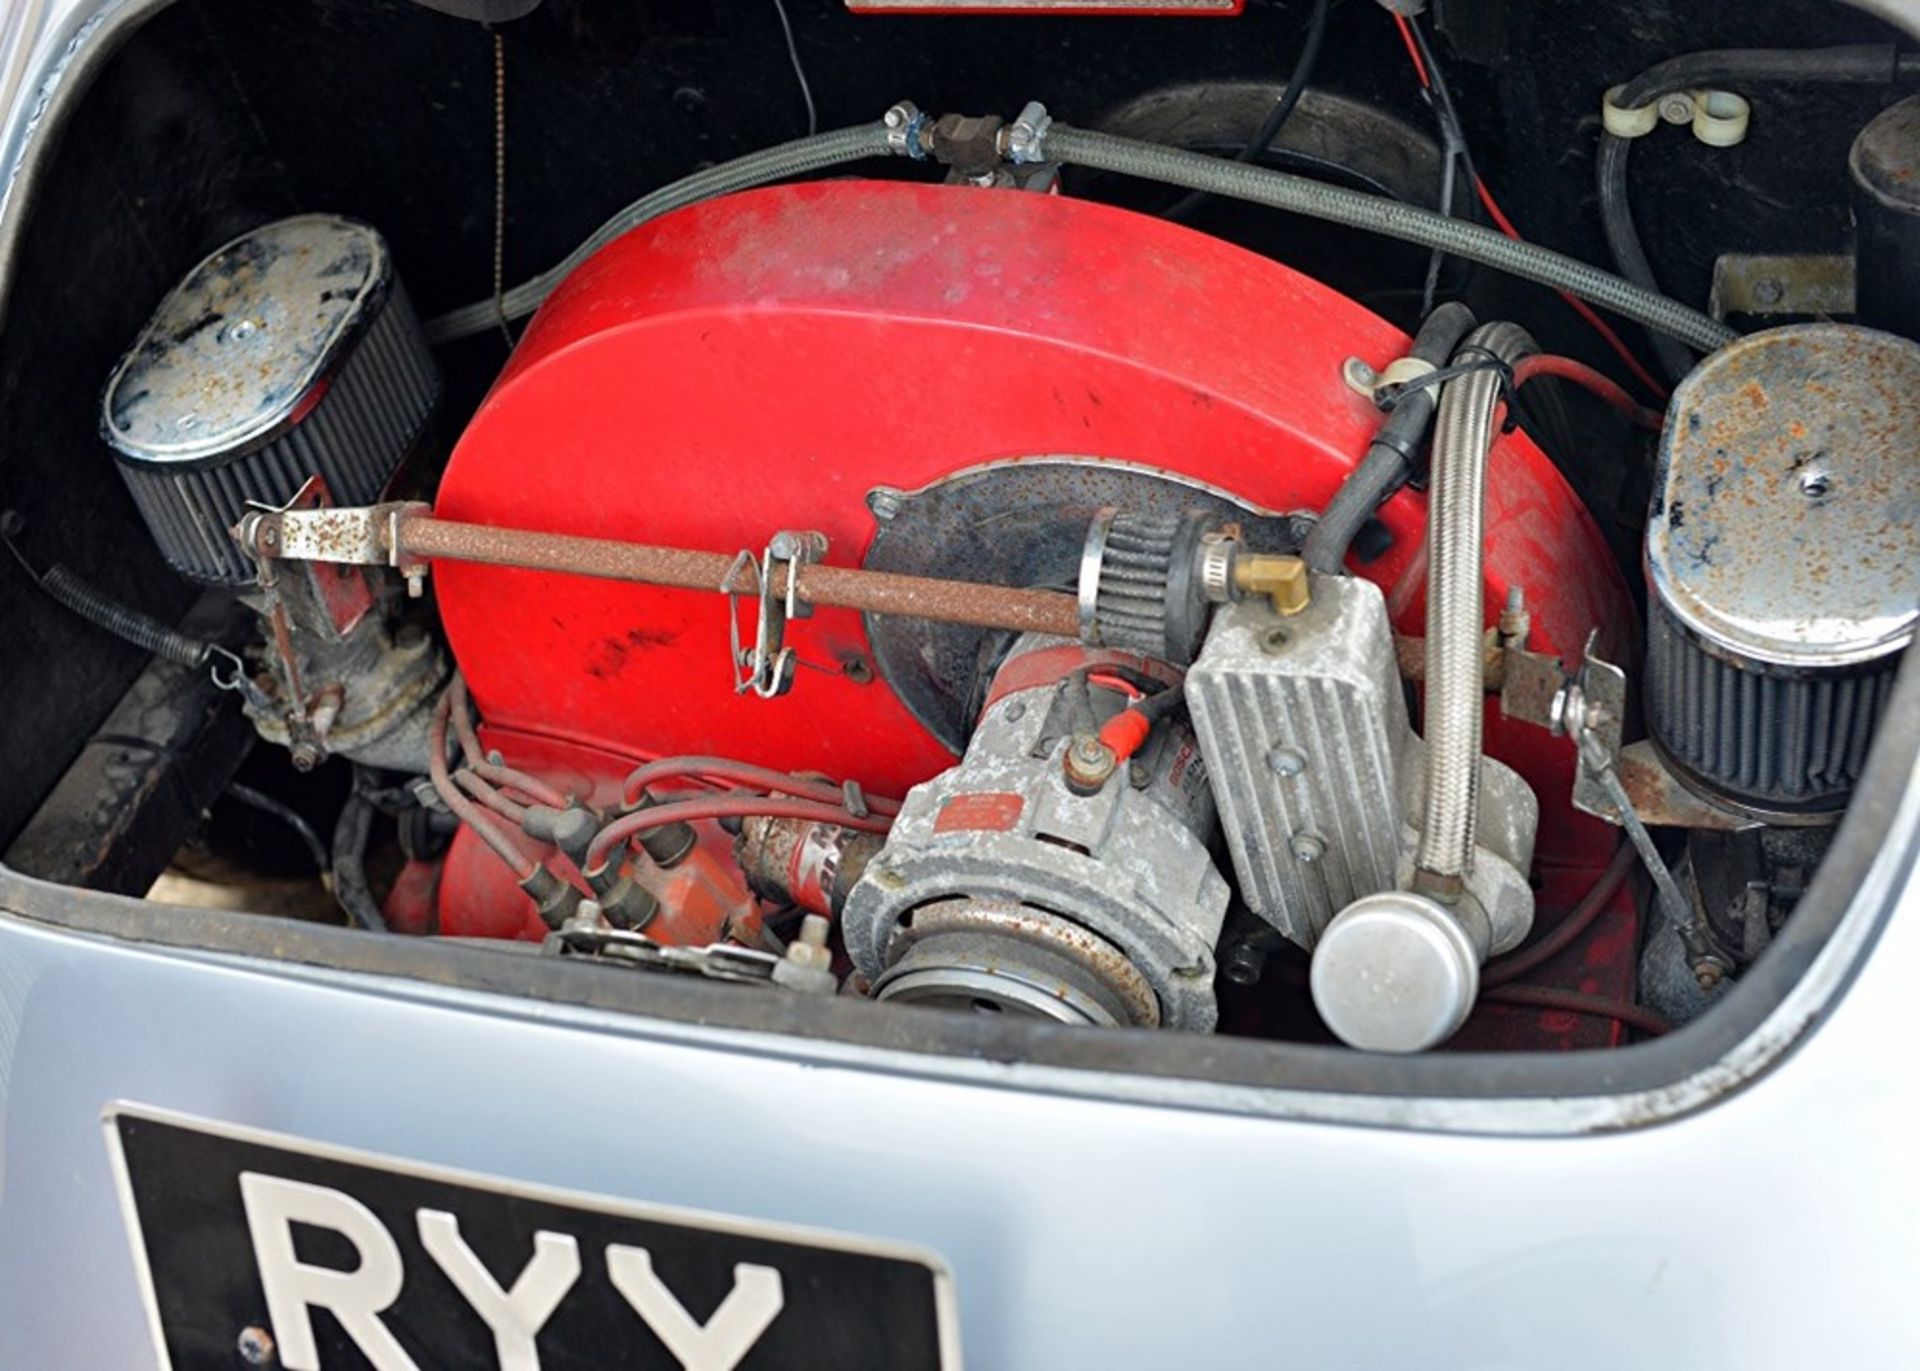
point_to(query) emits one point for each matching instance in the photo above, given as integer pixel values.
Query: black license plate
(260, 1249)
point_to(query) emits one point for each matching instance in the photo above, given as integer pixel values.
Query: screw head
(1359, 376)
(255, 1345)
(1769, 291)
(1307, 847)
(1286, 762)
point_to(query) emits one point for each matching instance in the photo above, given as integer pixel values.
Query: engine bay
(964, 561)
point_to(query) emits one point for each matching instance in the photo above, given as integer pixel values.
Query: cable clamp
(1623, 122)
(1477, 359)
(1400, 371)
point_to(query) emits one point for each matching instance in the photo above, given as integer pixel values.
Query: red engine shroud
(761, 361)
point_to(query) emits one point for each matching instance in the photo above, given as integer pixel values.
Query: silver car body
(1759, 1209)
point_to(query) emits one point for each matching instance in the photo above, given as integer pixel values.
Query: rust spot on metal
(873, 592)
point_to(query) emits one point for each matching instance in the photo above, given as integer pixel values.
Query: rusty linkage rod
(873, 592)
(408, 535)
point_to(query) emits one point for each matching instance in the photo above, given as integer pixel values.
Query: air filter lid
(242, 346)
(1786, 518)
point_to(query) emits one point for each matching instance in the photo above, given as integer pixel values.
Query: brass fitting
(1283, 580)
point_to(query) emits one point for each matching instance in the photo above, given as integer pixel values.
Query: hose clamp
(1026, 136)
(904, 124)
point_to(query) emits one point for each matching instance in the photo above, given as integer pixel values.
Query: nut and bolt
(1244, 964)
(1307, 847)
(808, 964)
(586, 917)
(1088, 764)
(1708, 973)
(416, 583)
(255, 1346)
(884, 502)
(304, 756)
(1677, 108)
(1515, 622)
(1286, 762)
(1769, 290)
(810, 948)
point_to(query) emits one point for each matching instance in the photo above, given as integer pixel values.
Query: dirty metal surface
(765, 360)
(1659, 797)
(872, 592)
(136, 791)
(241, 345)
(1128, 863)
(1017, 523)
(1775, 284)
(1786, 518)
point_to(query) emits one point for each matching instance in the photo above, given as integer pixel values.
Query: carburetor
(1056, 872)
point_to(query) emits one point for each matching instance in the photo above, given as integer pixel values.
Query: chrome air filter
(1783, 556)
(289, 353)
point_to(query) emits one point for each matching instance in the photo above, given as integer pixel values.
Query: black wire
(1276, 118)
(350, 888)
(1480, 359)
(1453, 148)
(286, 814)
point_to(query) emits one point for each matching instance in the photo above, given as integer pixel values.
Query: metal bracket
(310, 529)
(1634, 775)
(716, 961)
(767, 668)
(1592, 709)
(1773, 284)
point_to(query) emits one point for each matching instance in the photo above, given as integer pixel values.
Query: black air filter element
(1138, 587)
(290, 353)
(1787, 743)
(1784, 563)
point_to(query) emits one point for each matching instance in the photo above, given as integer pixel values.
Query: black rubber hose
(1390, 457)
(350, 888)
(1283, 108)
(1874, 64)
(1861, 64)
(293, 819)
(1331, 204)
